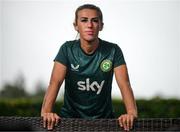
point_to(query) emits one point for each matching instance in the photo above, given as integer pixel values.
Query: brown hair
(89, 6)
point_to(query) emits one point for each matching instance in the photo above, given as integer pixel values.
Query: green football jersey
(88, 81)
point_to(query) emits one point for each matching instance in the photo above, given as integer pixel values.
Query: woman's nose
(90, 24)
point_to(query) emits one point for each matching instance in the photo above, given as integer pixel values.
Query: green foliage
(17, 89)
(154, 108)
(19, 107)
(159, 108)
(12, 91)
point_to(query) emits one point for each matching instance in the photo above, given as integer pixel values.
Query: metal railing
(105, 125)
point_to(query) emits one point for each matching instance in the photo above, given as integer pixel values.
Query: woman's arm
(122, 78)
(57, 77)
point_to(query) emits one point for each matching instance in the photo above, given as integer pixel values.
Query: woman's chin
(90, 38)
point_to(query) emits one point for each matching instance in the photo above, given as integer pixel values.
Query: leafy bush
(159, 108)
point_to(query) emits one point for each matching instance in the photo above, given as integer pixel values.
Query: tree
(15, 90)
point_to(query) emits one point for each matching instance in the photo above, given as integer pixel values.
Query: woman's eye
(84, 20)
(95, 20)
(92, 20)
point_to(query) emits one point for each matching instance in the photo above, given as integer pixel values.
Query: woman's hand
(126, 121)
(50, 120)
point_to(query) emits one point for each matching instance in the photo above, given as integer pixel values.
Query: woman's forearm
(49, 99)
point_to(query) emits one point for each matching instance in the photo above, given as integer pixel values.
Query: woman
(87, 65)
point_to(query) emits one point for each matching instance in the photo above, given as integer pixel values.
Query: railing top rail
(77, 124)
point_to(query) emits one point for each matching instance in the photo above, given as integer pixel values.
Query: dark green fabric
(88, 81)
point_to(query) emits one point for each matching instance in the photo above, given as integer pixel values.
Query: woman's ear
(75, 27)
(101, 27)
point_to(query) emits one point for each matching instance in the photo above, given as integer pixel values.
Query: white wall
(147, 31)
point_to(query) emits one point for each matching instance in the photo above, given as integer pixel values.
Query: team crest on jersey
(106, 65)
(74, 68)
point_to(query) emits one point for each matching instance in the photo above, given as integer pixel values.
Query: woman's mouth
(89, 32)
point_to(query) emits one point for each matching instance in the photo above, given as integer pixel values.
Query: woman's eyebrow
(84, 17)
(90, 18)
(95, 18)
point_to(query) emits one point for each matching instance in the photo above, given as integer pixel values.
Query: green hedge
(160, 108)
(154, 108)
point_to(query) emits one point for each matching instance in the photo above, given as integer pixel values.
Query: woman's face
(88, 24)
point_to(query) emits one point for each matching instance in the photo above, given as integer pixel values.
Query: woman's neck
(89, 47)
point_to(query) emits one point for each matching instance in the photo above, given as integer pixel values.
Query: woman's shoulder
(70, 43)
(107, 44)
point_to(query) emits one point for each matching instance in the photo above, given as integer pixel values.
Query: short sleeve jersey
(88, 81)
